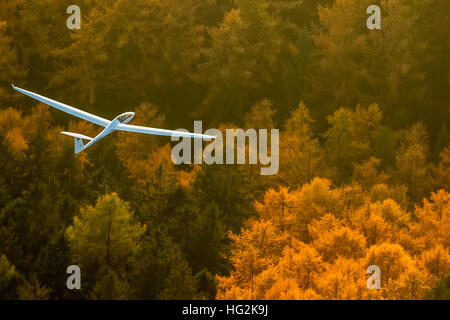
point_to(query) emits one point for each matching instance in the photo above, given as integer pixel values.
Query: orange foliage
(317, 242)
(16, 142)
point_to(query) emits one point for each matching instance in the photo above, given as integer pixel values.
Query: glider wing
(63, 107)
(161, 132)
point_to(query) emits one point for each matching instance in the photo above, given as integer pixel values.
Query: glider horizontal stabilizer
(79, 145)
(77, 135)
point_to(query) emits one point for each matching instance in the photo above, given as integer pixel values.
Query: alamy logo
(74, 20)
(374, 21)
(74, 281)
(236, 148)
(374, 280)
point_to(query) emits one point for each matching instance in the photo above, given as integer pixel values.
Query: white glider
(118, 124)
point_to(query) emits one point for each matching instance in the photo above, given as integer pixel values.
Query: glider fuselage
(123, 118)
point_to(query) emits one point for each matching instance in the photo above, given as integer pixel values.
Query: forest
(364, 163)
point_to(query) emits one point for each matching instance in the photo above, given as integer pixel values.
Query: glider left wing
(68, 109)
(161, 132)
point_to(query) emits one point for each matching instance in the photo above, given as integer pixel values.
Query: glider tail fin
(79, 145)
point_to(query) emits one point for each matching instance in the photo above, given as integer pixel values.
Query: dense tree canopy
(364, 175)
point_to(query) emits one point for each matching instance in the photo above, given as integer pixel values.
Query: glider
(120, 123)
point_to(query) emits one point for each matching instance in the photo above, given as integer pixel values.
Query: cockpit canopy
(125, 117)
